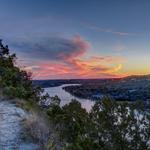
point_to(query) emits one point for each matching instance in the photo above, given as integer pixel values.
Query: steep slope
(11, 127)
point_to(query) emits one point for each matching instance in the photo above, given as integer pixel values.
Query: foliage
(15, 82)
(119, 126)
(109, 126)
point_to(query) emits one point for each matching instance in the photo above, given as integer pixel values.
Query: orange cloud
(72, 64)
(76, 68)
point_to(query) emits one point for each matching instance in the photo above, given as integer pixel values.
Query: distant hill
(53, 83)
(137, 77)
(58, 82)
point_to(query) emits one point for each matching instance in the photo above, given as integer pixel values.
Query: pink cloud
(75, 68)
(72, 64)
(82, 48)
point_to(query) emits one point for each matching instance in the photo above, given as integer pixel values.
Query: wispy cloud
(111, 31)
(119, 47)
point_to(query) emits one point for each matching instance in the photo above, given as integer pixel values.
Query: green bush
(109, 126)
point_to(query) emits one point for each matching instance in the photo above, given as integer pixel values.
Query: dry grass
(38, 127)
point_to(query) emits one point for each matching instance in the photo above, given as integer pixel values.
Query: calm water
(66, 97)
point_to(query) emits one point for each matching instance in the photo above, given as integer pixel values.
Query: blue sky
(53, 38)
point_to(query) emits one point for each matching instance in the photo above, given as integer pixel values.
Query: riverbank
(66, 97)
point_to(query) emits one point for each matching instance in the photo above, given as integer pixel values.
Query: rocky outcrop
(11, 128)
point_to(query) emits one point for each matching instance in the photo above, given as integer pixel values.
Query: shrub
(14, 81)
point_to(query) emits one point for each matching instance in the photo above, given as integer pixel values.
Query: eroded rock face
(11, 128)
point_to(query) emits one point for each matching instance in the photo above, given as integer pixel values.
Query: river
(67, 97)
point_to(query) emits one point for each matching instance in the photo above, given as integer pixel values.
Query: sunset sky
(65, 39)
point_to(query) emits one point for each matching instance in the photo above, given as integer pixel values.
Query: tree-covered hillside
(15, 82)
(109, 126)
